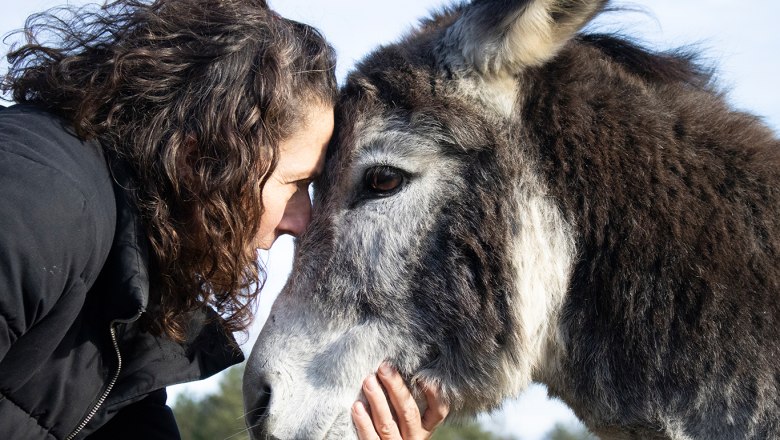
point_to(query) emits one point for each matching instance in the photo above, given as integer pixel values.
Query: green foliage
(466, 431)
(564, 432)
(217, 416)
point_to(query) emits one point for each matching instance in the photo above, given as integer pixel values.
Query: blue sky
(742, 41)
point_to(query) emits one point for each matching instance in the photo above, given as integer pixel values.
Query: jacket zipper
(111, 384)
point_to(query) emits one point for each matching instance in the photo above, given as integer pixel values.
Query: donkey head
(434, 244)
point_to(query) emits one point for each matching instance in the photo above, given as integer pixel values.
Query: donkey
(510, 199)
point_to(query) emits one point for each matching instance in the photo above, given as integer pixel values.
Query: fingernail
(371, 383)
(359, 408)
(385, 369)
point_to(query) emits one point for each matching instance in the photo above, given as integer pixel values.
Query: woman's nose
(297, 214)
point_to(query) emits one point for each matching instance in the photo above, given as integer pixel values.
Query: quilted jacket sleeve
(45, 242)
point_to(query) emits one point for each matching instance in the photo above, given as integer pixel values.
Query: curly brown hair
(194, 96)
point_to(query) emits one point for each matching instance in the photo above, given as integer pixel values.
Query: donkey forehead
(414, 144)
(407, 112)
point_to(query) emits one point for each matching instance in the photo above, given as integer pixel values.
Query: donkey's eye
(383, 180)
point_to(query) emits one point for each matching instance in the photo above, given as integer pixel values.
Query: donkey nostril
(259, 413)
(264, 399)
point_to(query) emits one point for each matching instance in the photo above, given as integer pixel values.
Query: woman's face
(286, 193)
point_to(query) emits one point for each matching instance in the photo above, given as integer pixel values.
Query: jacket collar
(129, 259)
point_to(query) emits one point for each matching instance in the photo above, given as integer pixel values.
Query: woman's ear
(502, 37)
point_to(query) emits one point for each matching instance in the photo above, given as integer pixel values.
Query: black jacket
(73, 283)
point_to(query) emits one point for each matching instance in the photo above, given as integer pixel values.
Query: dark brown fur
(675, 200)
(611, 229)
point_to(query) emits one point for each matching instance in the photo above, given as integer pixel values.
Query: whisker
(263, 408)
(245, 430)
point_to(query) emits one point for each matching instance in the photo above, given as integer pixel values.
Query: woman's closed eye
(302, 186)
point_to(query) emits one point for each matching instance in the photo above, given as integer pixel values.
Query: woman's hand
(408, 425)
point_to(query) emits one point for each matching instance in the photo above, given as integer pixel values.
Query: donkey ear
(504, 36)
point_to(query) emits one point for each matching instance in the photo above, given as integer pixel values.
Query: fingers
(381, 414)
(437, 410)
(407, 412)
(363, 423)
(403, 421)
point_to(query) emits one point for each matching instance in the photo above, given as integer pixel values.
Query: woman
(155, 147)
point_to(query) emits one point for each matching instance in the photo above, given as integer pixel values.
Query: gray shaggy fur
(594, 217)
